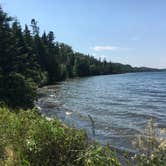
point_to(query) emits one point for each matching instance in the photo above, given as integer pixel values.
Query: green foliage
(27, 138)
(82, 65)
(151, 146)
(17, 91)
(98, 155)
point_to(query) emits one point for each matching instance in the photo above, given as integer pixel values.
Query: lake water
(119, 104)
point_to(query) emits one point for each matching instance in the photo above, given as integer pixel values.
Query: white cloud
(105, 48)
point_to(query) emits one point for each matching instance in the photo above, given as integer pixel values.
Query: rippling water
(119, 104)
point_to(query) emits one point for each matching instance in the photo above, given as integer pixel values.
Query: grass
(151, 146)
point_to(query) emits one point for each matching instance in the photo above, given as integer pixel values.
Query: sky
(126, 31)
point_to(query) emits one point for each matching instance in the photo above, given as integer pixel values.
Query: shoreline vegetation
(28, 61)
(29, 138)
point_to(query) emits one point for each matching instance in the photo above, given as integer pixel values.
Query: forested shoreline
(29, 60)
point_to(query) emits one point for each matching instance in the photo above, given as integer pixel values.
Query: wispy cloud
(105, 48)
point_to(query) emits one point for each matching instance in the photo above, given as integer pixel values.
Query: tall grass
(151, 146)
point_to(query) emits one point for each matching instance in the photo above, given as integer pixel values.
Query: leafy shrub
(27, 138)
(17, 91)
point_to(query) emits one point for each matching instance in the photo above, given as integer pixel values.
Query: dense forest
(29, 60)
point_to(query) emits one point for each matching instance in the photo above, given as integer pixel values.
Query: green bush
(18, 91)
(27, 138)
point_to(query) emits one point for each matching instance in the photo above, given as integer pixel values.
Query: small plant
(151, 146)
(96, 155)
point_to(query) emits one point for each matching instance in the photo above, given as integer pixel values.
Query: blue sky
(127, 31)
